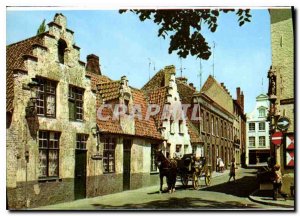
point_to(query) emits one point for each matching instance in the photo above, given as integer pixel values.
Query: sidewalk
(265, 197)
(217, 174)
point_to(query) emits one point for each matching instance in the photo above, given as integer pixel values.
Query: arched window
(62, 45)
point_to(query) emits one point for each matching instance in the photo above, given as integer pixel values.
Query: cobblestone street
(220, 195)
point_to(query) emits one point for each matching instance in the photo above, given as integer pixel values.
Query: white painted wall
(254, 117)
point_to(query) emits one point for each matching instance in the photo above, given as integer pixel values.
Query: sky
(125, 45)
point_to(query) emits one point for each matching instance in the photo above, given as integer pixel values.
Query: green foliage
(183, 27)
(42, 28)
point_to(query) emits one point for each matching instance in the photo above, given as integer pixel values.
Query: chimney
(238, 95)
(92, 64)
(61, 20)
(192, 86)
(242, 101)
(168, 71)
(183, 79)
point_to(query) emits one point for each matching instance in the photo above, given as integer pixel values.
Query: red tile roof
(144, 127)
(97, 79)
(15, 60)
(159, 97)
(109, 90)
(193, 132)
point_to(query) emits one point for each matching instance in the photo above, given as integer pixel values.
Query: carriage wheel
(196, 181)
(208, 177)
(184, 179)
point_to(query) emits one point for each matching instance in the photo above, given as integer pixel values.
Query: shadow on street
(241, 188)
(186, 203)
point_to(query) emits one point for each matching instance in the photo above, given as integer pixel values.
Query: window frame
(261, 123)
(74, 95)
(153, 165)
(42, 95)
(252, 123)
(250, 138)
(81, 140)
(259, 141)
(48, 139)
(108, 143)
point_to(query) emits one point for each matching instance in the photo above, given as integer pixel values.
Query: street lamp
(30, 109)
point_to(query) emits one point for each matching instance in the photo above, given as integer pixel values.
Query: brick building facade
(281, 90)
(57, 149)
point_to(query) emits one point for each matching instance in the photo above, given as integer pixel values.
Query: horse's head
(158, 157)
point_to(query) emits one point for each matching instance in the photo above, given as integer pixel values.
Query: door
(126, 163)
(80, 174)
(213, 157)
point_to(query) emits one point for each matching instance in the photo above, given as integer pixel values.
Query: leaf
(241, 23)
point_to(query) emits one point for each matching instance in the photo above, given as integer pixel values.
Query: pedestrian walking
(232, 170)
(221, 165)
(277, 182)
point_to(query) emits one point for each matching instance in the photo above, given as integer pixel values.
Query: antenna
(181, 68)
(149, 67)
(200, 73)
(213, 65)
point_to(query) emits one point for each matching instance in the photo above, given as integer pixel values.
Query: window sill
(172, 133)
(109, 173)
(181, 134)
(74, 120)
(49, 179)
(154, 172)
(43, 116)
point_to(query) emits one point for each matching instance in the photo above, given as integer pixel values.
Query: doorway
(126, 163)
(80, 174)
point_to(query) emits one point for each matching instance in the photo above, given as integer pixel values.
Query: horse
(167, 168)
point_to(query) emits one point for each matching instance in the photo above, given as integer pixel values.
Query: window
(221, 128)
(180, 126)
(217, 130)
(81, 141)
(262, 141)
(212, 126)
(262, 126)
(207, 123)
(251, 141)
(46, 97)
(171, 126)
(153, 164)
(48, 154)
(251, 126)
(62, 45)
(185, 149)
(126, 103)
(202, 124)
(75, 103)
(109, 155)
(262, 112)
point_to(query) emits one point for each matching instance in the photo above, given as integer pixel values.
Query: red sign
(290, 158)
(277, 138)
(290, 141)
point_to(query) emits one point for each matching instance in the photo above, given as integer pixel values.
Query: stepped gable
(15, 56)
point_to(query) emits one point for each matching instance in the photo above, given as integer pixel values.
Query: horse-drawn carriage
(187, 168)
(193, 168)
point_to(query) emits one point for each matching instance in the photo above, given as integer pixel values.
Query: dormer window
(62, 45)
(126, 103)
(262, 112)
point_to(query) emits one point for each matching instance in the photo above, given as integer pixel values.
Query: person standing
(232, 170)
(221, 165)
(177, 154)
(218, 164)
(277, 182)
